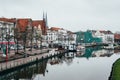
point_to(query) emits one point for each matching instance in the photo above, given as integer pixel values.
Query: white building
(106, 36)
(52, 37)
(6, 30)
(60, 36)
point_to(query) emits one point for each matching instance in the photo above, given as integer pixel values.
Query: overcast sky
(73, 15)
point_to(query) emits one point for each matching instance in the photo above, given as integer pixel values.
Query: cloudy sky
(73, 15)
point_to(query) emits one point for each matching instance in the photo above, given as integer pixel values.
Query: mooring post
(13, 63)
(6, 65)
(1, 66)
(10, 65)
(42, 57)
(36, 59)
(51, 55)
(46, 57)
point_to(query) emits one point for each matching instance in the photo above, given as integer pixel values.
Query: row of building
(29, 32)
(98, 36)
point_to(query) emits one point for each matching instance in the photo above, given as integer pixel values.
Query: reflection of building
(69, 58)
(28, 72)
(80, 53)
(88, 52)
(54, 61)
(102, 53)
(117, 51)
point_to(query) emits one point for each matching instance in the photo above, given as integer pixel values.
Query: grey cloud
(69, 14)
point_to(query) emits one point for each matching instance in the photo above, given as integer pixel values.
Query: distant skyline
(74, 15)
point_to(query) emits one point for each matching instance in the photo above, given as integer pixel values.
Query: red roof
(22, 24)
(55, 28)
(36, 23)
(8, 19)
(41, 23)
(116, 36)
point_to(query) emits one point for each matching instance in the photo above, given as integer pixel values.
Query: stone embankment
(9, 65)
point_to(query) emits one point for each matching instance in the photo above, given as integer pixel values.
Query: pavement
(21, 54)
(23, 60)
(20, 58)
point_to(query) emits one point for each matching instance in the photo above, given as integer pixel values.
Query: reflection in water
(28, 72)
(102, 53)
(95, 52)
(88, 64)
(87, 52)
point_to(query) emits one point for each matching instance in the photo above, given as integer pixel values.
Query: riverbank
(21, 62)
(21, 54)
(115, 73)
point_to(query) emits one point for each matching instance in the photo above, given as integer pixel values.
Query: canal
(88, 64)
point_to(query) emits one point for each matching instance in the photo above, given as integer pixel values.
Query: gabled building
(87, 37)
(40, 30)
(41, 24)
(24, 28)
(106, 36)
(7, 29)
(117, 38)
(80, 37)
(52, 36)
(71, 37)
(58, 36)
(24, 31)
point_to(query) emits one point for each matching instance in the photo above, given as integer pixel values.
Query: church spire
(43, 15)
(46, 20)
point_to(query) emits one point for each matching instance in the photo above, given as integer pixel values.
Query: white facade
(107, 37)
(52, 36)
(60, 36)
(37, 34)
(74, 38)
(6, 29)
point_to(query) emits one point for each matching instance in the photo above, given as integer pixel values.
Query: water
(90, 64)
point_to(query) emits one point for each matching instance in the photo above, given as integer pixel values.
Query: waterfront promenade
(32, 57)
(15, 55)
